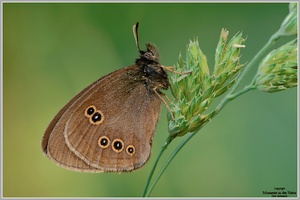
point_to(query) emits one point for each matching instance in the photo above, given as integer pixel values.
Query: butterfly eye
(130, 149)
(103, 142)
(89, 111)
(117, 145)
(96, 117)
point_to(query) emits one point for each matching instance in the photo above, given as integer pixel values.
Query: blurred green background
(53, 50)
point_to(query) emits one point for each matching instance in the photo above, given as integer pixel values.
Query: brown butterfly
(109, 126)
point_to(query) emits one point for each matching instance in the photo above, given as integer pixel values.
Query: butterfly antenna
(136, 35)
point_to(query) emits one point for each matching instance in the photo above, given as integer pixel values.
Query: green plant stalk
(230, 96)
(162, 149)
(167, 163)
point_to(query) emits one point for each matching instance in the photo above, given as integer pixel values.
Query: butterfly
(109, 125)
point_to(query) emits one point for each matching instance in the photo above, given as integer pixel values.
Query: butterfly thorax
(152, 73)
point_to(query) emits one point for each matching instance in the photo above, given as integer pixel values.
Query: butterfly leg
(169, 100)
(171, 69)
(169, 109)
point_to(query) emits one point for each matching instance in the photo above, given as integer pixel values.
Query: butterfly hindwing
(106, 132)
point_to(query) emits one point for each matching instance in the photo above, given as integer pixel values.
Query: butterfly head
(148, 57)
(151, 54)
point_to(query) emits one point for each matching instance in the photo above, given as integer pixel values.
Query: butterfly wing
(108, 127)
